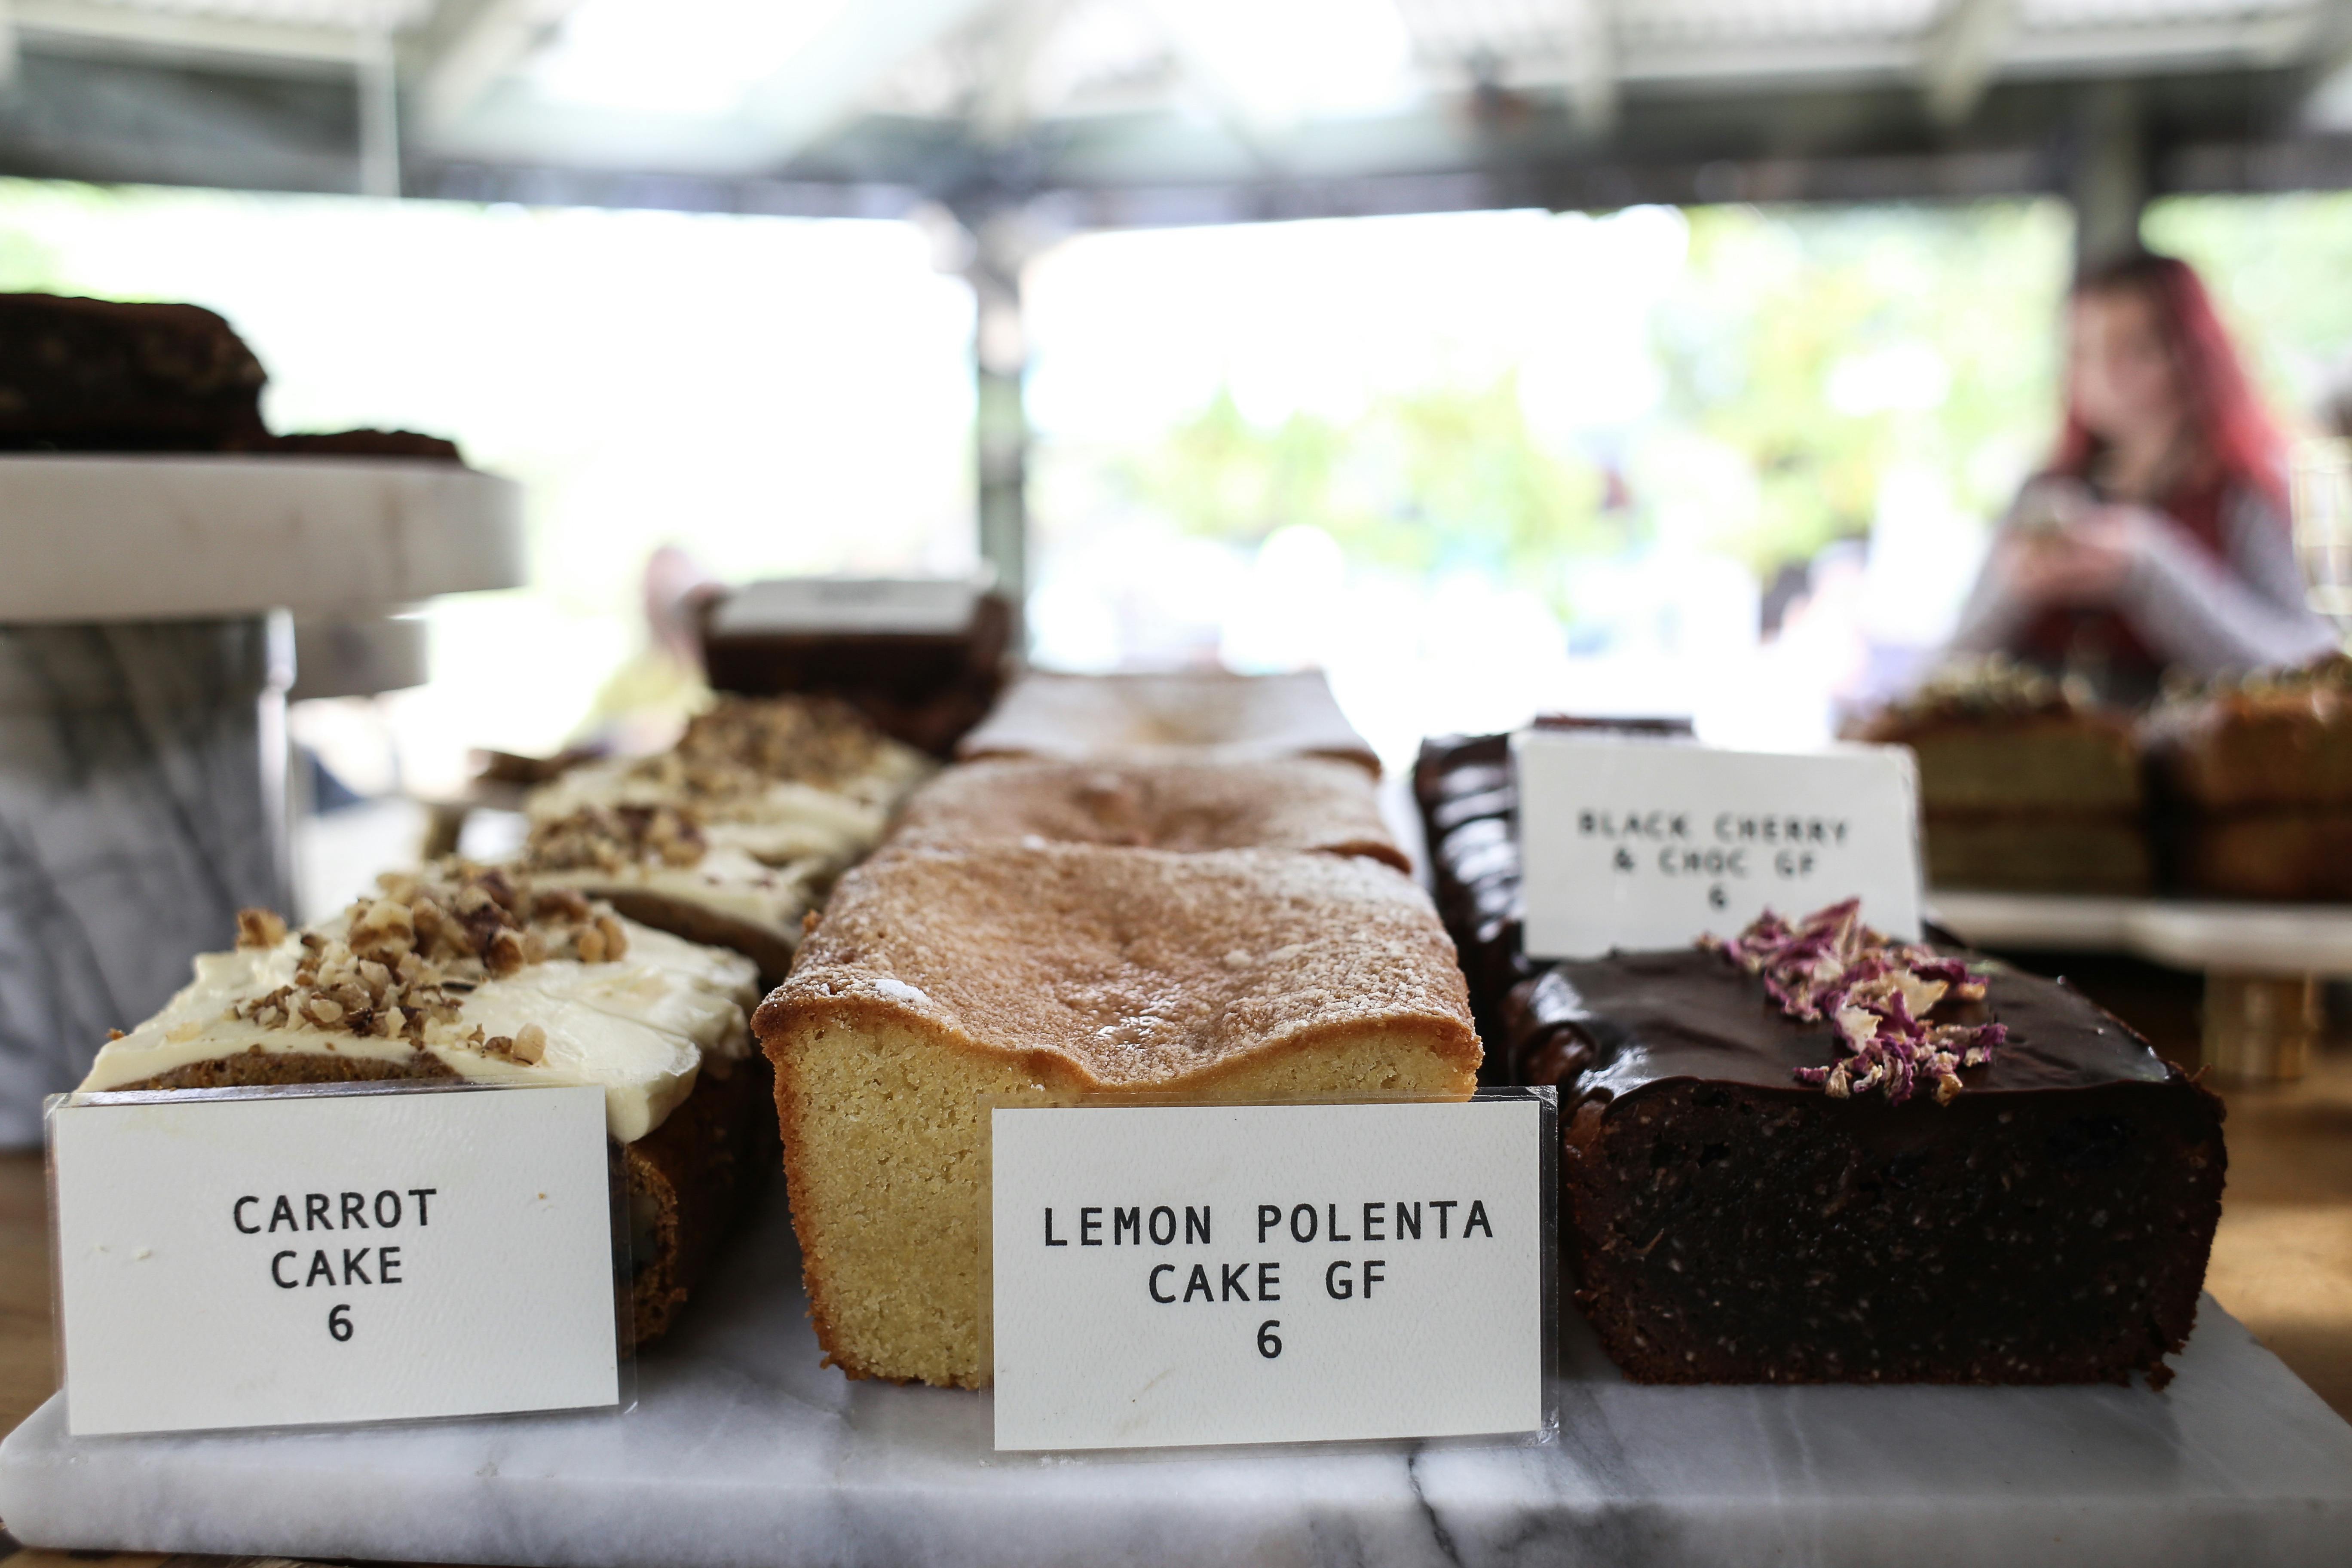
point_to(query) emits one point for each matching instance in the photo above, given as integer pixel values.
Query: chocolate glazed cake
(1469, 813)
(2043, 1216)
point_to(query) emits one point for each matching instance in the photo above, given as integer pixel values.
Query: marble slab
(742, 1450)
(154, 537)
(142, 770)
(2193, 934)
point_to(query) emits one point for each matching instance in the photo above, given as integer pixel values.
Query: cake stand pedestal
(145, 654)
(2263, 963)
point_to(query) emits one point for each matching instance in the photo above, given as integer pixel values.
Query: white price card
(292, 1259)
(1176, 1275)
(1631, 844)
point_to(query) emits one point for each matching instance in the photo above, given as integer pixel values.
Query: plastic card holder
(1153, 1326)
(337, 1255)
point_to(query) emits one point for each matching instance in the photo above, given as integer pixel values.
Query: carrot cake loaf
(1311, 804)
(1200, 714)
(462, 971)
(942, 979)
(786, 779)
(657, 865)
(734, 833)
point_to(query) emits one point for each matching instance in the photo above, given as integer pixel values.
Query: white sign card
(1176, 1275)
(1630, 842)
(292, 1259)
(874, 607)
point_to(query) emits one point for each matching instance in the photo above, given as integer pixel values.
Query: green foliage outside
(1758, 342)
(2280, 266)
(1438, 477)
(1823, 346)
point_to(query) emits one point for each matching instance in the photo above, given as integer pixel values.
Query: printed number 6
(1269, 1344)
(339, 1322)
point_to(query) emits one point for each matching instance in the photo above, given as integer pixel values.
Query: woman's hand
(2080, 565)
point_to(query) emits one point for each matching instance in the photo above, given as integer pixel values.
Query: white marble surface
(145, 537)
(2240, 938)
(141, 769)
(743, 1450)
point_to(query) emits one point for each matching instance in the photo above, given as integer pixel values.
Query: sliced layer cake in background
(2254, 776)
(2022, 785)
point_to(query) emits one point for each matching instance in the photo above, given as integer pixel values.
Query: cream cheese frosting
(783, 778)
(578, 996)
(667, 850)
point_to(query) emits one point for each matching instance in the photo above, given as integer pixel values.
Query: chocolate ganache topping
(1604, 1028)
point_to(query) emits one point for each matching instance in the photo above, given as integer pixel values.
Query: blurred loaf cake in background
(109, 376)
(1284, 802)
(2023, 785)
(2254, 773)
(922, 658)
(1193, 715)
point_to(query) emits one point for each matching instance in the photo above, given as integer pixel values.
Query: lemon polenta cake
(941, 981)
(474, 973)
(1282, 803)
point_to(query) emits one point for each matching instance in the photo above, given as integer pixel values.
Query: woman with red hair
(2159, 535)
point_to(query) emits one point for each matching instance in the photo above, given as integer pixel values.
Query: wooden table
(2281, 1261)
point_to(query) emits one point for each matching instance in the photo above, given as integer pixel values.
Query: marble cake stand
(2263, 963)
(742, 1450)
(143, 681)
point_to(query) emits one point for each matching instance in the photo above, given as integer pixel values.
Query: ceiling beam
(1001, 108)
(1964, 51)
(467, 47)
(81, 23)
(2327, 55)
(813, 92)
(1592, 82)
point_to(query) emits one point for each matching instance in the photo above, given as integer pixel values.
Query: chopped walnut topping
(744, 744)
(259, 928)
(616, 837)
(406, 958)
(531, 1044)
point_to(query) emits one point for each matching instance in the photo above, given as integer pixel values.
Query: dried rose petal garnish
(1878, 994)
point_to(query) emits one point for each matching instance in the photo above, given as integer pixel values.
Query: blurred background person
(2160, 534)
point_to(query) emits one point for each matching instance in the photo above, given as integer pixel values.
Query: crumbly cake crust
(1129, 969)
(695, 1175)
(1286, 803)
(1202, 714)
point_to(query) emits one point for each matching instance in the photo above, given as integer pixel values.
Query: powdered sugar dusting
(1139, 967)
